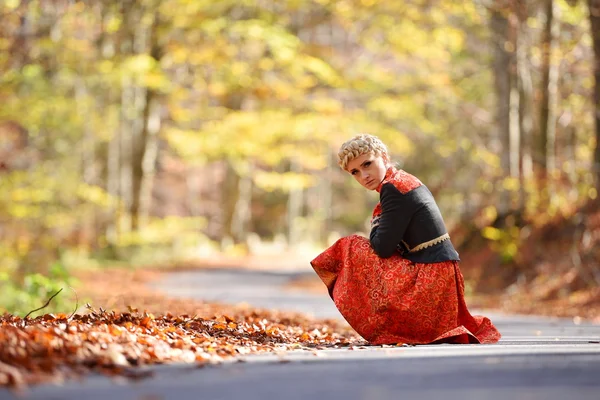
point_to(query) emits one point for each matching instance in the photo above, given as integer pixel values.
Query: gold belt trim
(427, 244)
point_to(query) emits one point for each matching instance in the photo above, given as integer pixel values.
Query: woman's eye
(367, 163)
(353, 172)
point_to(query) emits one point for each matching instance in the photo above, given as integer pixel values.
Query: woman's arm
(396, 212)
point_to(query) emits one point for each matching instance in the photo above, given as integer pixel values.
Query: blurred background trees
(157, 130)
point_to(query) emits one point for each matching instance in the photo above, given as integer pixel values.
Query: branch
(76, 303)
(45, 305)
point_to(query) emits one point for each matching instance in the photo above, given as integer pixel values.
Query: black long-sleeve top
(409, 219)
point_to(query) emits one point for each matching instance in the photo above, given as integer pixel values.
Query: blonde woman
(402, 284)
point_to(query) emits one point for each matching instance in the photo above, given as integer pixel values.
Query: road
(537, 358)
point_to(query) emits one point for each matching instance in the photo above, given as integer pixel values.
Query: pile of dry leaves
(55, 347)
(122, 341)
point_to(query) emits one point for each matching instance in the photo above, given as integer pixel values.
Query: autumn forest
(148, 131)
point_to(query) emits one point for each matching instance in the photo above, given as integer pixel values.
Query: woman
(403, 284)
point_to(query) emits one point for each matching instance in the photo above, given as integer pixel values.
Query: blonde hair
(359, 145)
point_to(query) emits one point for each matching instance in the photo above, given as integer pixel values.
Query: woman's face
(368, 170)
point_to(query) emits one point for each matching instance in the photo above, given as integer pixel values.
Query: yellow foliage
(139, 66)
(164, 230)
(391, 107)
(490, 213)
(34, 195)
(12, 4)
(491, 233)
(533, 23)
(268, 136)
(445, 150)
(285, 182)
(483, 156)
(327, 106)
(450, 38)
(511, 184)
(113, 24)
(95, 195)
(155, 80)
(574, 15)
(321, 69)
(21, 211)
(23, 245)
(266, 64)
(487, 186)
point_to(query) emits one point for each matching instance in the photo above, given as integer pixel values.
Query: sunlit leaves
(42, 198)
(283, 44)
(286, 182)
(94, 195)
(408, 108)
(322, 70)
(165, 231)
(491, 233)
(145, 71)
(238, 134)
(255, 61)
(12, 4)
(138, 64)
(575, 13)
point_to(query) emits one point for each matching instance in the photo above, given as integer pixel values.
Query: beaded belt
(427, 244)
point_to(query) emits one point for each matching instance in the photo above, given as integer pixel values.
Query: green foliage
(505, 241)
(35, 289)
(163, 240)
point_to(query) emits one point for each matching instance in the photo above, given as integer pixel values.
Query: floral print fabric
(393, 300)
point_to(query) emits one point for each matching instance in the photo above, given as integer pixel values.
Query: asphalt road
(537, 358)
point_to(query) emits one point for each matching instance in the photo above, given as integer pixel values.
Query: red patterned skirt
(393, 300)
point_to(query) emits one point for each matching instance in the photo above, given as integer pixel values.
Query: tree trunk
(113, 167)
(88, 160)
(128, 98)
(230, 194)
(109, 96)
(549, 92)
(88, 142)
(571, 156)
(594, 10)
(526, 107)
(294, 209)
(140, 114)
(502, 64)
(233, 185)
(149, 161)
(326, 192)
(242, 212)
(139, 150)
(513, 142)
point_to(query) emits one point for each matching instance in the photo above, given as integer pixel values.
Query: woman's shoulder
(401, 180)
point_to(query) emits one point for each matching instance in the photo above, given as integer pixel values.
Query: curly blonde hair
(359, 145)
